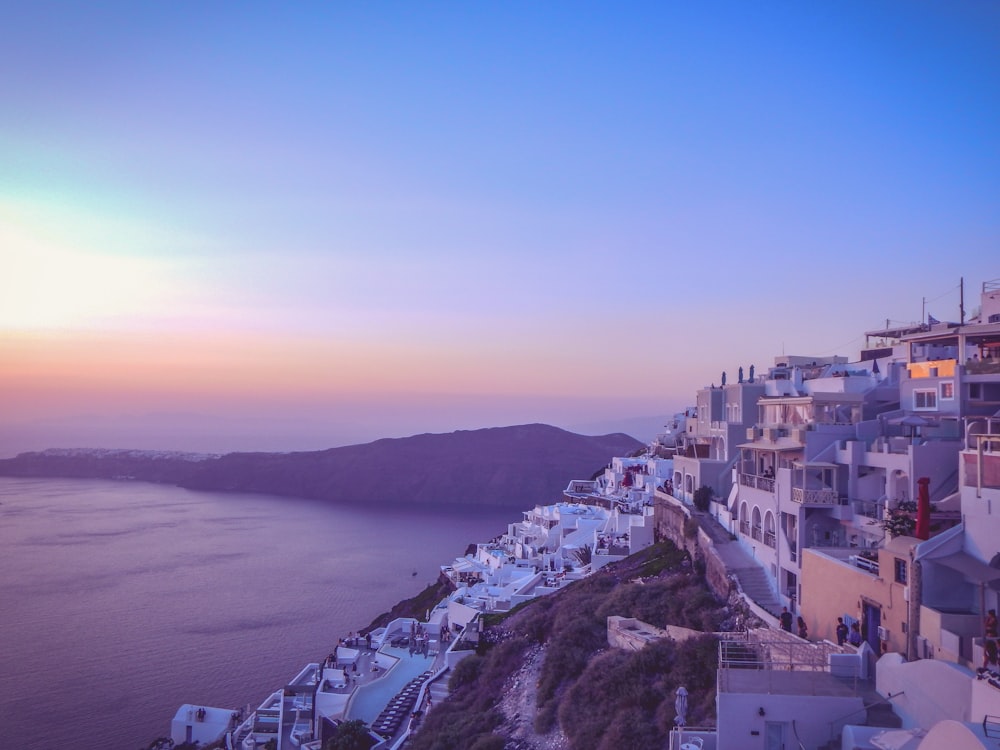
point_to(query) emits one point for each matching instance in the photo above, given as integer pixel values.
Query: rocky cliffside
(502, 466)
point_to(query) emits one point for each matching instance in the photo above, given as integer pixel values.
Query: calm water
(119, 601)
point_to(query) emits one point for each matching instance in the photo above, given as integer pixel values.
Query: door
(871, 618)
(774, 736)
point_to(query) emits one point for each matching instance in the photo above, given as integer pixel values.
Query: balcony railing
(757, 533)
(745, 528)
(869, 508)
(814, 497)
(865, 563)
(757, 482)
(769, 538)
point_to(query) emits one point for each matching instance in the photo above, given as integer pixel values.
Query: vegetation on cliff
(600, 698)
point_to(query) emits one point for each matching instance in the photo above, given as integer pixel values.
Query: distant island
(515, 467)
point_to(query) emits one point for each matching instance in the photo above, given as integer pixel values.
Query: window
(947, 388)
(976, 391)
(925, 400)
(900, 568)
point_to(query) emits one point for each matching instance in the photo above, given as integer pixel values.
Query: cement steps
(757, 585)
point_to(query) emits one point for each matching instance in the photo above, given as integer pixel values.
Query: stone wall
(671, 520)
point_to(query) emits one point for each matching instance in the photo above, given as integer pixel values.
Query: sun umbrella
(681, 706)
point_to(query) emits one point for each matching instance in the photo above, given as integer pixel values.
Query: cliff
(501, 466)
(543, 676)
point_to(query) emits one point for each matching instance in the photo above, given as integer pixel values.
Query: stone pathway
(753, 579)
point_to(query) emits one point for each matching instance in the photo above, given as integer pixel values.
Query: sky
(277, 226)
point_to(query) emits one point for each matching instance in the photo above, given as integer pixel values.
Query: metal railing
(814, 497)
(864, 563)
(757, 482)
(772, 652)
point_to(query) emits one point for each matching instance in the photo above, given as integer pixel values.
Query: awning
(968, 566)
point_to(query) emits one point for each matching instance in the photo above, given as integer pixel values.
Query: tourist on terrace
(786, 619)
(841, 632)
(990, 657)
(855, 637)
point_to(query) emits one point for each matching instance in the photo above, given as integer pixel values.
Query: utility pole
(961, 300)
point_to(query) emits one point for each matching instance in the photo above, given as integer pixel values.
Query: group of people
(851, 635)
(786, 623)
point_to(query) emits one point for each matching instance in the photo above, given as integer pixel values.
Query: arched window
(756, 531)
(744, 518)
(769, 529)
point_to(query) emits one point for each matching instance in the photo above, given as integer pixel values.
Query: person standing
(855, 637)
(991, 624)
(841, 632)
(803, 631)
(786, 619)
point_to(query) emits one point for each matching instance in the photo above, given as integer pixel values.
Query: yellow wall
(831, 588)
(945, 368)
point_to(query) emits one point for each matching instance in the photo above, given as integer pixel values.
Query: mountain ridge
(516, 466)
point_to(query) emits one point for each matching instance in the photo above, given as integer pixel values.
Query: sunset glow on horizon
(323, 224)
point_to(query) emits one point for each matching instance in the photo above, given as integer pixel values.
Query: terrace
(376, 686)
(774, 662)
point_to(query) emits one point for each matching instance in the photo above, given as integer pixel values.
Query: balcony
(865, 561)
(873, 509)
(757, 482)
(757, 533)
(769, 538)
(745, 528)
(823, 496)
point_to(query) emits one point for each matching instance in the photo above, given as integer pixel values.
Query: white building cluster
(864, 492)
(867, 491)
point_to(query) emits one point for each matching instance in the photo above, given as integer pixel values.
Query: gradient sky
(271, 226)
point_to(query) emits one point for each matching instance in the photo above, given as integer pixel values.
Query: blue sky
(355, 220)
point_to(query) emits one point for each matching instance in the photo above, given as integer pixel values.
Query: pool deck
(381, 687)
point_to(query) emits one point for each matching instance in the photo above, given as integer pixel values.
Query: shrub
(488, 742)
(465, 672)
(702, 497)
(350, 735)
(899, 523)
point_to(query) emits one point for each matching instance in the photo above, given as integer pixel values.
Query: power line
(950, 291)
(842, 346)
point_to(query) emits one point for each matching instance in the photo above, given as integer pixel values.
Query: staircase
(737, 655)
(753, 580)
(756, 584)
(438, 690)
(882, 715)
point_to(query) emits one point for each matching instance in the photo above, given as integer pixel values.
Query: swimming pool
(370, 699)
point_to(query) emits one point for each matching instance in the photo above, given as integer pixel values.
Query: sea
(122, 600)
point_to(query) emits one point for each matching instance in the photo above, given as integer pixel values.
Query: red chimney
(923, 530)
